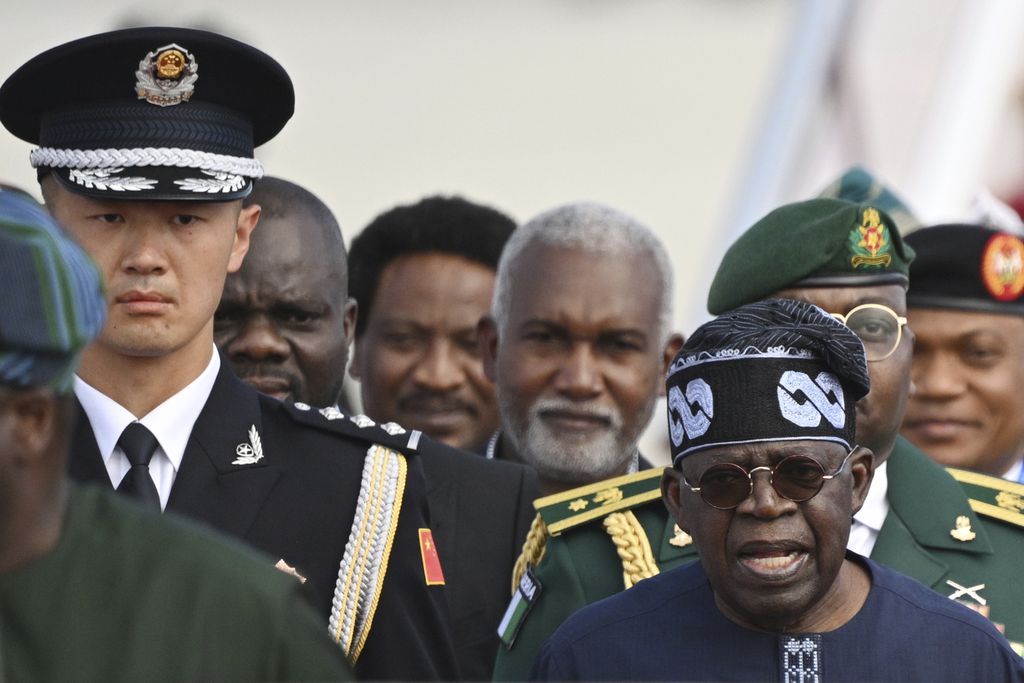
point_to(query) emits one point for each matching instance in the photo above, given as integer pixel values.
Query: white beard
(566, 458)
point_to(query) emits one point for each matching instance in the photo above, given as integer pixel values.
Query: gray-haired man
(577, 344)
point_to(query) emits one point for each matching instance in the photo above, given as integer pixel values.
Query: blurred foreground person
(91, 587)
(766, 483)
(284, 324)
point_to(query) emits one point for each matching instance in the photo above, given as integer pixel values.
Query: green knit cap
(815, 243)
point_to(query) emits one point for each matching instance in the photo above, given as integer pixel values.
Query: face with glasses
(771, 521)
(877, 314)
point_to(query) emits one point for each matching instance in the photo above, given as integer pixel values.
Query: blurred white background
(696, 116)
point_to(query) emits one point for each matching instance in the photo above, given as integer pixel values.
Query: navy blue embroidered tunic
(669, 628)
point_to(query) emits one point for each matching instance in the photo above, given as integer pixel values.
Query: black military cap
(149, 113)
(967, 267)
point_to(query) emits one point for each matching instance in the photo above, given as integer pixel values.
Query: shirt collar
(876, 506)
(1014, 473)
(171, 422)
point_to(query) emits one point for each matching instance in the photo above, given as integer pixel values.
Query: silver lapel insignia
(249, 453)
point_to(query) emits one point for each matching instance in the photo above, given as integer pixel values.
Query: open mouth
(773, 564)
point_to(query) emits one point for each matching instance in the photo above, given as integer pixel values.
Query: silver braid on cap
(145, 156)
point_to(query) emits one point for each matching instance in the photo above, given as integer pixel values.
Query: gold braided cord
(533, 551)
(396, 509)
(350, 591)
(631, 543)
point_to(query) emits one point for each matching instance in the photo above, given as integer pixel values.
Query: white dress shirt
(1013, 474)
(868, 522)
(170, 422)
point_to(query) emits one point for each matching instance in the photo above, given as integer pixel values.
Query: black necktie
(139, 444)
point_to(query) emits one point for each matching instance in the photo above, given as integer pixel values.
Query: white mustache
(611, 416)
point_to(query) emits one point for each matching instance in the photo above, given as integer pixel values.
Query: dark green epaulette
(609, 501)
(992, 496)
(585, 504)
(390, 435)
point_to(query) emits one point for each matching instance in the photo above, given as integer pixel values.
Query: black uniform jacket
(481, 510)
(298, 502)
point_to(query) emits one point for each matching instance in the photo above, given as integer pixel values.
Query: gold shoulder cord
(634, 549)
(533, 551)
(365, 561)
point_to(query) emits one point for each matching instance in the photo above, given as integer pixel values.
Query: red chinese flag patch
(432, 572)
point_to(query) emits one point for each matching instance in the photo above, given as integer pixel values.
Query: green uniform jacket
(582, 564)
(127, 595)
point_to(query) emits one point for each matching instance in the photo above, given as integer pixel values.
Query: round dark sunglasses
(797, 478)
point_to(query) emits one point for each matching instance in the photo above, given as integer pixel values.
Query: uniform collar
(171, 421)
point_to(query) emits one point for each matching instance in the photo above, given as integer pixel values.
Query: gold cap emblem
(170, 64)
(166, 76)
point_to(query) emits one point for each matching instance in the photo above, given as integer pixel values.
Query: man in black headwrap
(771, 388)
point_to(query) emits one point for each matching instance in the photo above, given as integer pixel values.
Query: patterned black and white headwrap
(775, 370)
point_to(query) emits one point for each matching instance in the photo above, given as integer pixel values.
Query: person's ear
(348, 320)
(33, 413)
(862, 467)
(248, 217)
(672, 346)
(487, 338)
(355, 362)
(671, 494)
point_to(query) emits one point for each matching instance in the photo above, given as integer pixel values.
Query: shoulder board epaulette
(578, 506)
(330, 419)
(992, 496)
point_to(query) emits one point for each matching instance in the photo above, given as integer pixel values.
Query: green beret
(815, 243)
(858, 185)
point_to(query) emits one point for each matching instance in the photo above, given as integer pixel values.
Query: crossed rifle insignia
(971, 592)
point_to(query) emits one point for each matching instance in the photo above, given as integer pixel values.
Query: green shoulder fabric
(127, 595)
(582, 563)
(945, 534)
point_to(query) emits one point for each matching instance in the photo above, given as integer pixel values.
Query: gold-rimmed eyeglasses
(878, 327)
(796, 477)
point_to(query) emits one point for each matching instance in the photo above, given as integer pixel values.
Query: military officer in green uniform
(849, 259)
